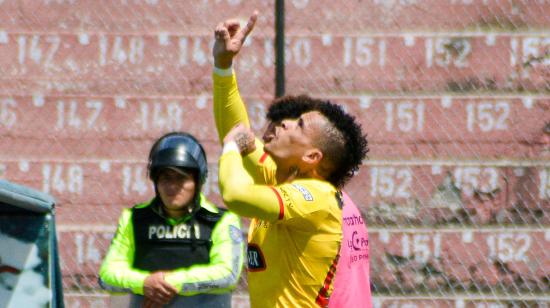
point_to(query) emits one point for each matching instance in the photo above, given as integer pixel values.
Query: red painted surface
(396, 63)
(470, 127)
(416, 261)
(155, 15)
(128, 15)
(145, 64)
(386, 16)
(463, 195)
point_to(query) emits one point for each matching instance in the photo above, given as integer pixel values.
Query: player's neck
(290, 173)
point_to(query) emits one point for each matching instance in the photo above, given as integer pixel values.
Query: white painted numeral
(59, 178)
(364, 51)
(476, 179)
(121, 50)
(530, 51)
(38, 50)
(406, 116)
(487, 117)
(298, 50)
(508, 247)
(8, 115)
(544, 184)
(134, 180)
(68, 114)
(389, 182)
(163, 116)
(445, 52)
(256, 110)
(422, 247)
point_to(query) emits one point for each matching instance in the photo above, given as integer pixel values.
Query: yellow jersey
(291, 262)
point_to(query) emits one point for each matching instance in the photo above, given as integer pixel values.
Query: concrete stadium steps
(100, 118)
(105, 63)
(452, 126)
(350, 17)
(452, 193)
(413, 261)
(398, 126)
(133, 16)
(411, 15)
(424, 193)
(425, 61)
(159, 64)
(425, 261)
(99, 184)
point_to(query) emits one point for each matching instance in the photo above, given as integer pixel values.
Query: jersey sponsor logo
(307, 195)
(256, 260)
(353, 220)
(360, 256)
(358, 242)
(235, 234)
(181, 231)
(286, 197)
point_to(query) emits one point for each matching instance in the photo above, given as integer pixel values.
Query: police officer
(177, 249)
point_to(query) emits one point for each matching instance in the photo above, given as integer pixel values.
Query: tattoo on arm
(244, 142)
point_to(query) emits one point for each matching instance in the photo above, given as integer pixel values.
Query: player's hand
(157, 290)
(243, 137)
(229, 38)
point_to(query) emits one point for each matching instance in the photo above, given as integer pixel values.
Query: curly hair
(290, 107)
(343, 144)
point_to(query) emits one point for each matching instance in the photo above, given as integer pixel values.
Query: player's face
(176, 190)
(289, 139)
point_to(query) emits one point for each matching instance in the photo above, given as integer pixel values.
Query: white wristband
(230, 146)
(224, 72)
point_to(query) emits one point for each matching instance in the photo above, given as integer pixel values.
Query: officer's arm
(241, 195)
(222, 273)
(116, 273)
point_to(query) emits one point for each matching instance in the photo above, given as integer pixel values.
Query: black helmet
(177, 149)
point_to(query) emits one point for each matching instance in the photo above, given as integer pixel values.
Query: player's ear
(312, 156)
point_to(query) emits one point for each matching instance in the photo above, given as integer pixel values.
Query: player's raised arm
(229, 109)
(241, 195)
(229, 40)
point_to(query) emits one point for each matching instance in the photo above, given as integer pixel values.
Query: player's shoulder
(311, 188)
(316, 184)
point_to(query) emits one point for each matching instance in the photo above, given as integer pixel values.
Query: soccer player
(311, 149)
(177, 249)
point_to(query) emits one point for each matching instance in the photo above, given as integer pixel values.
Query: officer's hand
(156, 289)
(229, 40)
(243, 137)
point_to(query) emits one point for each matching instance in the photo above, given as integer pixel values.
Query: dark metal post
(279, 48)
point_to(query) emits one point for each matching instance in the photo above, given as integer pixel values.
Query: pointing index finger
(249, 26)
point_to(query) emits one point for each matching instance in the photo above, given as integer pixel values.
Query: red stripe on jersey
(322, 296)
(263, 158)
(281, 205)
